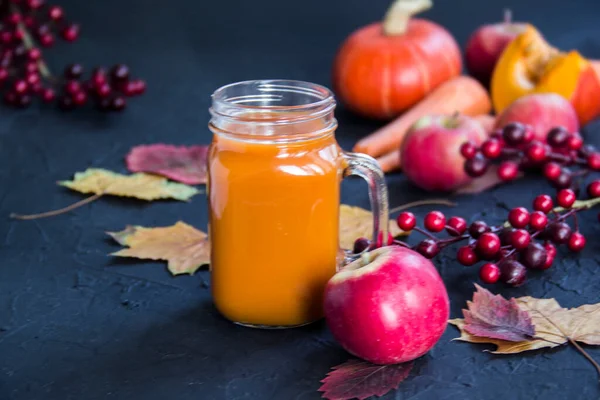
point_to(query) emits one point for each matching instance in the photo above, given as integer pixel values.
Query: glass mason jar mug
(275, 170)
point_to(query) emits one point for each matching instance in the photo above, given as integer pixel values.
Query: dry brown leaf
(357, 222)
(184, 247)
(582, 324)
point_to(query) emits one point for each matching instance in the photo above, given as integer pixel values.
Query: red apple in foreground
(430, 152)
(387, 307)
(542, 111)
(486, 45)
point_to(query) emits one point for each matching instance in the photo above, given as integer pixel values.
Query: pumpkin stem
(397, 16)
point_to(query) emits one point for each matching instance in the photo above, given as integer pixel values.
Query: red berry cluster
(515, 149)
(527, 240)
(27, 26)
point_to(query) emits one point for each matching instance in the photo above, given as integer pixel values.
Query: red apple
(542, 112)
(486, 45)
(387, 307)
(430, 152)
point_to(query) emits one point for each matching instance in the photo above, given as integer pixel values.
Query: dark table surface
(78, 324)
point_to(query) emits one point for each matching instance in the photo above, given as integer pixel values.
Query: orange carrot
(391, 161)
(462, 94)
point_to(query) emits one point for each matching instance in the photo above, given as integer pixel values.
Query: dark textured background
(78, 324)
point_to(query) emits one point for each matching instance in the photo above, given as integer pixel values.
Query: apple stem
(507, 16)
(397, 16)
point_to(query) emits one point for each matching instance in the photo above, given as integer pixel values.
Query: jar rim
(303, 100)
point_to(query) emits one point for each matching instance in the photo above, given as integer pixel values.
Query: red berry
(73, 71)
(552, 170)
(360, 245)
(558, 137)
(46, 40)
(3, 74)
(529, 134)
(55, 13)
(536, 152)
(550, 249)
(390, 239)
(508, 170)
(120, 73)
(477, 228)
(512, 272)
(140, 86)
(70, 33)
(514, 133)
(6, 37)
(558, 232)
(468, 150)
(20, 86)
(434, 221)
(99, 76)
(34, 4)
(458, 225)
(488, 245)
(518, 217)
(576, 242)
(489, 273)
(33, 79)
(80, 98)
(18, 35)
(491, 148)
(593, 189)
(538, 220)
(466, 256)
(520, 239)
(72, 87)
(565, 198)
(103, 90)
(543, 203)
(476, 166)
(428, 248)
(118, 104)
(13, 18)
(31, 66)
(575, 141)
(406, 221)
(48, 95)
(594, 161)
(34, 54)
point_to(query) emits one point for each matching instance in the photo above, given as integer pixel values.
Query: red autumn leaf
(492, 316)
(185, 164)
(357, 379)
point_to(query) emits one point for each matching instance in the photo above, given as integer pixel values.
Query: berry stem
(418, 203)
(29, 44)
(425, 233)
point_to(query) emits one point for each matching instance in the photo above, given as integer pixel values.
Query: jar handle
(367, 168)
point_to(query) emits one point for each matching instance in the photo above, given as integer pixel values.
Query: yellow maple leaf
(140, 185)
(184, 247)
(554, 326)
(357, 222)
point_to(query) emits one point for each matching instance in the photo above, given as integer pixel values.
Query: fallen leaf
(357, 379)
(184, 247)
(140, 185)
(553, 324)
(497, 318)
(486, 181)
(357, 222)
(186, 164)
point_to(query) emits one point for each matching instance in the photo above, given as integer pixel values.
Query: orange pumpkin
(386, 67)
